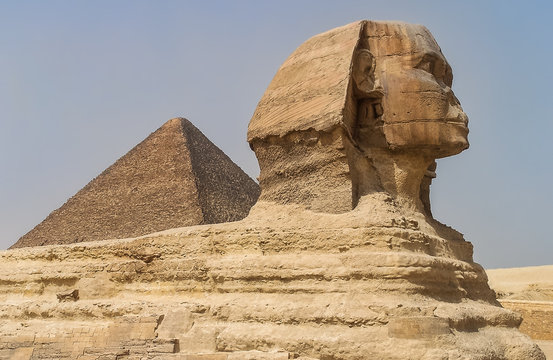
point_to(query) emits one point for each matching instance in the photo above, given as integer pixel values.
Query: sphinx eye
(426, 64)
(437, 67)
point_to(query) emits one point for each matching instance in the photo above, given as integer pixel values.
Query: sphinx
(360, 110)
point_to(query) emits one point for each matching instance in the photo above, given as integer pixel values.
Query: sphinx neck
(401, 175)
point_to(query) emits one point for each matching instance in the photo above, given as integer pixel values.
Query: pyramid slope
(221, 183)
(175, 177)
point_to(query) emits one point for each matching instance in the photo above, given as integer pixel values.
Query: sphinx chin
(435, 139)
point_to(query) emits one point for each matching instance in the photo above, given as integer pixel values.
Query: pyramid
(176, 177)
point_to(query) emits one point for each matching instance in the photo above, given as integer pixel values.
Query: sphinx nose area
(452, 99)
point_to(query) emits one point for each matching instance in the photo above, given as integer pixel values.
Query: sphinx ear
(366, 59)
(363, 73)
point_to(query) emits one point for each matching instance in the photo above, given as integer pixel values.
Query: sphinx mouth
(456, 122)
(461, 119)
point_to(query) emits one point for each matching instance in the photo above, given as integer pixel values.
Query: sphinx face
(420, 111)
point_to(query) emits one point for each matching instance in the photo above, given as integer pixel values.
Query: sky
(82, 82)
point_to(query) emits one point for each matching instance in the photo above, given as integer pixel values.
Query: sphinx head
(361, 109)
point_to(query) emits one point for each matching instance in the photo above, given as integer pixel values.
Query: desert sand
(528, 291)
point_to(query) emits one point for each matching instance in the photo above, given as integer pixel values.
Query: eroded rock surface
(321, 287)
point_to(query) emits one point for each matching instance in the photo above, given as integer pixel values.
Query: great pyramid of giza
(175, 177)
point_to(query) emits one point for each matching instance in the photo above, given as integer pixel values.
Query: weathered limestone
(175, 177)
(339, 260)
(316, 288)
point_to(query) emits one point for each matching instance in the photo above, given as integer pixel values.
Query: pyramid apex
(180, 122)
(175, 120)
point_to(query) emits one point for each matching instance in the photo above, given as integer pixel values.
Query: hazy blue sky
(82, 82)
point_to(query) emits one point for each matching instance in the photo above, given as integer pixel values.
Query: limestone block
(418, 327)
(22, 353)
(106, 351)
(204, 356)
(217, 356)
(163, 346)
(175, 323)
(200, 338)
(258, 355)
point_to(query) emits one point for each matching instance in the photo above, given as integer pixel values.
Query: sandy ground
(533, 283)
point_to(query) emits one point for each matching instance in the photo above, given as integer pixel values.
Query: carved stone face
(420, 112)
